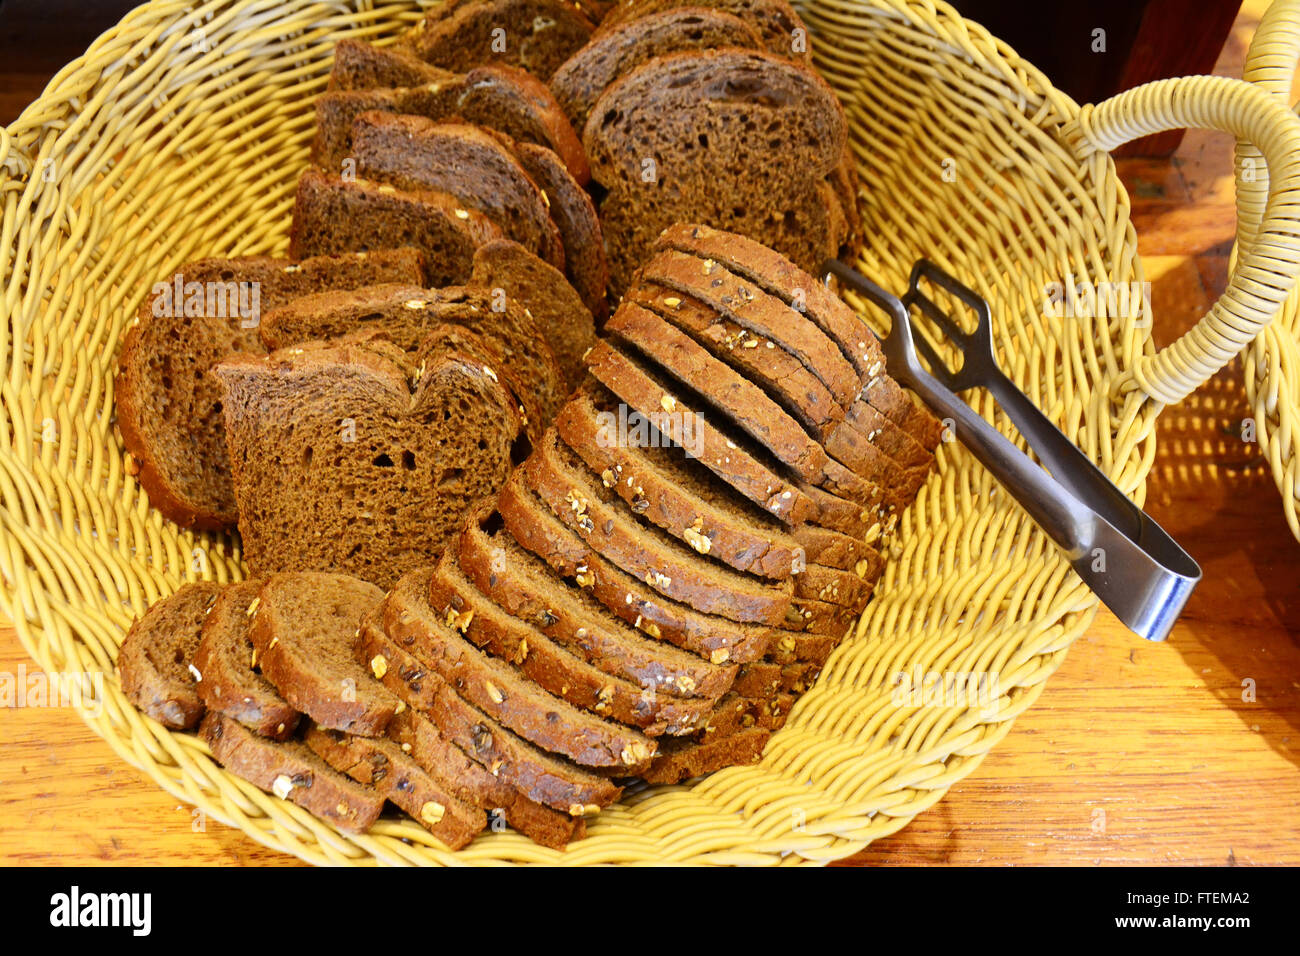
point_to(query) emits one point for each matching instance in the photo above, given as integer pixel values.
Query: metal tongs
(1128, 560)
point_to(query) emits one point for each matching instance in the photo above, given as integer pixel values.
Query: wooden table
(1135, 753)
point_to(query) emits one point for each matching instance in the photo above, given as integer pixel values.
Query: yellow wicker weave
(1272, 361)
(180, 134)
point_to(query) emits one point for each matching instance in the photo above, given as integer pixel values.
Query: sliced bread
(291, 771)
(683, 759)
(359, 65)
(169, 408)
(349, 457)
(335, 215)
(535, 35)
(781, 29)
(156, 661)
(229, 681)
(303, 629)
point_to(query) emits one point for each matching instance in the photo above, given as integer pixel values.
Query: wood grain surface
(1135, 753)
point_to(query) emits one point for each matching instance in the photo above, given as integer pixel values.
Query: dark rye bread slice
(333, 215)
(229, 680)
(169, 408)
(535, 35)
(531, 523)
(498, 97)
(604, 521)
(620, 49)
(522, 584)
(665, 406)
(540, 776)
(303, 628)
(542, 290)
(767, 679)
(714, 123)
(665, 487)
(474, 784)
(735, 399)
(846, 589)
(575, 216)
(683, 759)
(498, 690)
(349, 457)
(553, 668)
(781, 29)
(291, 771)
(776, 274)
(359, 65)
(155, 662)
(393, 774)
(417, 154)
(407, 315)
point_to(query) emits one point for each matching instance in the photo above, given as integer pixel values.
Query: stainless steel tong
(1128, 560)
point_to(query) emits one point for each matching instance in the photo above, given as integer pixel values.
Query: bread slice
(292, 772)
(552, 667)
(721, 641)
(169, 408)
(684, 759)
(540, 776)
(778, 275)
(416, 153)
(617, 50)
(349, 457)
(537, 35)
(679, 495)
(156, 661)
(363, 66)
(667, 407)
(394, 775)
(499, 691)
(229, 680)
(675, 141)
(303, 629)
(781, 29)
(495, 96)
(418, 736)
(333, 215)
(560, 313)
(522, 584)
(606, 523)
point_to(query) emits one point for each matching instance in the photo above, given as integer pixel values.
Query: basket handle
(1270, 65)
(1267, 270)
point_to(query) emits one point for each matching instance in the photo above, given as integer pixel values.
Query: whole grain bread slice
(552, 667)
(393, 774)
(683, 759)
(349, 457)
(522, 584)
(291, 771)
(538, 35)
(495, 688)
(169, 408)
(156, 660)
(679, 495)
(334, 215)
(540, 776)
(229, 680)
(564, 319)
(532, 524)
(664, 406)
(359, 65)
(415, 153)
(303, 628)
(625, 45)
(605, 522)
(473, 783)
(781, 29)
(775, 273)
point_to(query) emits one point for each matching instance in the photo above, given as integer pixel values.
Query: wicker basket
(180, 134)
(1272, 361)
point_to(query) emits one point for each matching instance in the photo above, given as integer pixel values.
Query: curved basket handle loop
(1270, 65)
(1265, 274)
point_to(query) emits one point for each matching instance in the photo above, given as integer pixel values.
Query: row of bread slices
(648, 594)
(703, 111)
